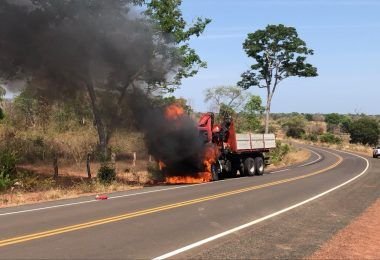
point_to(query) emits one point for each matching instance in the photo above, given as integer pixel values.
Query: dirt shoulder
(359, 240)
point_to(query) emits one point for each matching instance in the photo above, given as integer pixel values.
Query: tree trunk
(102, 134)
(55, 165)
(88, 165)
(267, 112)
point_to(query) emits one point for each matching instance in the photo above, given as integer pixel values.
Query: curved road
(288, 213)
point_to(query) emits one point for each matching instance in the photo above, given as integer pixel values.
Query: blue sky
(345, 36)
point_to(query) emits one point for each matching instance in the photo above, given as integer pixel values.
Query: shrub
(365, 131)
(295, 132)
(295, 126)
(7, 169)
(279, 152)
(311, 137)
(1, 114)
(5, 181)
(330, 139)
(107, 173)
(8, 161)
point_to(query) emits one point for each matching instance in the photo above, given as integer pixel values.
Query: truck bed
(259, 142)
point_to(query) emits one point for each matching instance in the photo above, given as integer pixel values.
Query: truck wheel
(259, 163)
(249, 166)
(216, 171)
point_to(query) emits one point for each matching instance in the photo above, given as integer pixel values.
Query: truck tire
(249, 166)
(259, 163)
(216, 171)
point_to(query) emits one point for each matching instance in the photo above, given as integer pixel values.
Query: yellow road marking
(57, 231)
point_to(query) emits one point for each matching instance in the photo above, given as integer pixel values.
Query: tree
(335, 121)
(295, 126)
(230, 96)
(252, 112)
(309, 117)
(97, 49)
(2, 94)
(345, 124)
(279, 54)
(225, 111)
(365, 131)
(168, 16)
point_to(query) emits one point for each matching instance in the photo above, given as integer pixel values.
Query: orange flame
(173, 111)
(200, 177)
(210, 156)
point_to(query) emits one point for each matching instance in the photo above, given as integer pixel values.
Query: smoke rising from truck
(105, 51)
(171, 135)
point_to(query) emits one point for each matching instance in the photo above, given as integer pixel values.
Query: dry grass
(293, 157)
(345, 146)
(15, 198)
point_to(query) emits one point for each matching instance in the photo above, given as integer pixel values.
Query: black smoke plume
(103, 50)
(175, 142)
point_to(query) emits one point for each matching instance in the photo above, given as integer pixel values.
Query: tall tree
(279, 54)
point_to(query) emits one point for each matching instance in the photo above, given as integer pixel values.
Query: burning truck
(238, 154)
(220, 152)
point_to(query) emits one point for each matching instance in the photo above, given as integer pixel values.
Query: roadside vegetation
(352, 132)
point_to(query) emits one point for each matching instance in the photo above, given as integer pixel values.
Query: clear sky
(344, 34)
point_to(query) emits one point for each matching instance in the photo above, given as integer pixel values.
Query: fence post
(88, 165)
(55, 165)
(134, 159)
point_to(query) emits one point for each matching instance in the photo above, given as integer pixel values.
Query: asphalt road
(287, 213)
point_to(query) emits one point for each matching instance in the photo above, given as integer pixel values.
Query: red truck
(239, 154)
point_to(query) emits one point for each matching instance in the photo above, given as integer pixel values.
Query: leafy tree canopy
(333, 118)
(251, 115)
(278, 53)
(231, 96)
(170, 21)
(365, 131)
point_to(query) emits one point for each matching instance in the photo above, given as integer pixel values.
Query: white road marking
(306, 164)
(280, 170)
(303, 165)
(230, 231)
